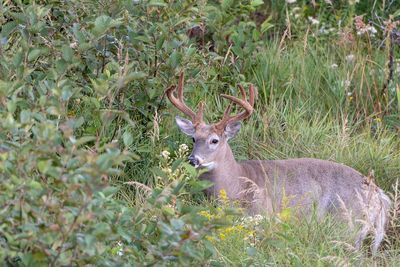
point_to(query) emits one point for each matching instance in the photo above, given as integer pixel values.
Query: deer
(311, 185)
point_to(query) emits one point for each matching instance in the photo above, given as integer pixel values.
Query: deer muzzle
(194, 161)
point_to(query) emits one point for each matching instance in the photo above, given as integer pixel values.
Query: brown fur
(261, 184)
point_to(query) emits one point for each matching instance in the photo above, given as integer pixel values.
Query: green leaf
(190, 169)
(396, 14)
(127, 138)
(179, 187)
(53, 111)
(66, 93)
(177, 224)
(110, 191)
(7, 28)
(83, 140)
(101, 229)
(44, 166)
(176, 164)
(157, 172)
(35, 185)
(175, 59)
(225, 4)
(17, 58)
(199, 185)
(34, 54)
(266, 25)
(61, 66)
(160, 42)
(159, 3)
(251, 251)
(255, 3)
(25, 116)
(165, 228)
(137, 75)
(67, 53)
(104, 23)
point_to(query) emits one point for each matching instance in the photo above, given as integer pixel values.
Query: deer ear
(185, 125)
(232, 129)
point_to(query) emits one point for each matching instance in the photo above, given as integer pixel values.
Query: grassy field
(303, 110)
(94, 169)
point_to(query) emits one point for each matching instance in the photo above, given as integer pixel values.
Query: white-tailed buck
(261, 185)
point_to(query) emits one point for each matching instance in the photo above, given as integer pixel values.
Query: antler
(179, 103)
(247, 105)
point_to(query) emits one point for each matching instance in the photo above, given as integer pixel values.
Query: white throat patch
(208, 165)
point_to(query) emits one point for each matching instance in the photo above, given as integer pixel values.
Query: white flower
(372, 29)
(258, 218)
(334, 66)
(183, 148)
(350, 58)
(323, 30)
(120, 250)
(165, 154)
(296, 9)
(353, 2)
(73, 45)
(290, 1)
(313, 21)
(251, 221)
(167, 170)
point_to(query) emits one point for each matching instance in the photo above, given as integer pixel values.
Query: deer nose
(193, 160)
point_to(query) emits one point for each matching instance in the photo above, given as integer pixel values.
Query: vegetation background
(93, 169)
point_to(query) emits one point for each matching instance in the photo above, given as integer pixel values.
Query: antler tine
(200, 110)
(179, 102)
(226, 116)
(247, 105)
(228, 110)
(252, 95)
(242, 91)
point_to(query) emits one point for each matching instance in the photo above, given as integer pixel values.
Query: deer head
(210, 140)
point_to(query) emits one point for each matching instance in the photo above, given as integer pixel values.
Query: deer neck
(225, 175)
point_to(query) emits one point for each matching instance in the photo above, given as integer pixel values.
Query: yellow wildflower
(285, 214)
(222, 236)
(210, 238)
(206, 214)
(223, 196)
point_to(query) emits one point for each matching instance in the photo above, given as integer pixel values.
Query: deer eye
(214, 141)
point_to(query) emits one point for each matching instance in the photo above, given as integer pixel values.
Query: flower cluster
(165, 154)
(243, 227)
(363, 28)
(167, 161)
(182, 151)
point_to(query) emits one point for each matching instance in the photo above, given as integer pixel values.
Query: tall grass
(318, 97)
(314, 100)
